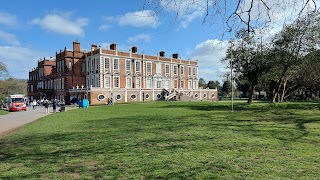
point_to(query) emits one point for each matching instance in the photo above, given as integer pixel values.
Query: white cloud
(104, 27)
(209, 54)
(186, 11)
(9, 38)
(62, 24)
(145, 18)
(19, 60)
(8, 19)
(143, 37)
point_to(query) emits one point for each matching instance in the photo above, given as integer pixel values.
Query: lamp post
(231, 69)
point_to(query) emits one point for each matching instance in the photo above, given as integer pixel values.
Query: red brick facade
(99, 74)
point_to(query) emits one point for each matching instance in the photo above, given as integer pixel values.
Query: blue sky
(32, 30)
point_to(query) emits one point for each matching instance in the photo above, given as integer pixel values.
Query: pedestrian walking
(34, 104)
(54, 105)
(46, 106)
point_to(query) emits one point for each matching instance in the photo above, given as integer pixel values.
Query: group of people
(46, 103)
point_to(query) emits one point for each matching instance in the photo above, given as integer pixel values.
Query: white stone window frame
(134, 97)
(118, 99)
(136, 67)
(128, 65)
(106, 65)
(104, 97)
(130, 85)
(114, 78)
(147, 69)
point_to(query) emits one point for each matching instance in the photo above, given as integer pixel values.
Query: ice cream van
(16, 102)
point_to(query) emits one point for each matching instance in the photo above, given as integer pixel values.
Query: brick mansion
(101, 73)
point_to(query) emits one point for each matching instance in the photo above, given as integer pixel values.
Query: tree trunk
(284, 89)
(250, 95)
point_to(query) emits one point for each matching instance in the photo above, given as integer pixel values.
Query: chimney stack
(175, 56)
(134, 49)
(113, 46)
(94, 47)
(162, 53)
(76, 46)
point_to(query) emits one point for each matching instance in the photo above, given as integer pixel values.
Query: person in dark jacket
(46, 105)
(54, 105)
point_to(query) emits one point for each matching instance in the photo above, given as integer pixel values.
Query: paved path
(13, 120)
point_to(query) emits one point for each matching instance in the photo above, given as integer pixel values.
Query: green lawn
(168, 140)
(2, 112)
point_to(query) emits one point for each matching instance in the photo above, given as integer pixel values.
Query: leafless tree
(232, 15)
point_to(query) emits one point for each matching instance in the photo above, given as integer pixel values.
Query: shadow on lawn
(244, 106)
(121, 146)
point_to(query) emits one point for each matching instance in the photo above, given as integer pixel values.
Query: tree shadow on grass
(129, 145)
(245, 106)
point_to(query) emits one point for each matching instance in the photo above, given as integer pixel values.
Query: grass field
(168, 140)
(2, 112)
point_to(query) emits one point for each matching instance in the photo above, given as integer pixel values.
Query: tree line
(286, 66)
(10, 85)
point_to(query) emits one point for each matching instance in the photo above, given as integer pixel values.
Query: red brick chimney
(162, 53)
(176, 55)
(76, 46)
(134, 49)
(113, 46)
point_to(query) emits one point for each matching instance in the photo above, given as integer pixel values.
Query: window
(116, 82)
(128, 82)
(70, 66)
(116, 64)
(62, 65)
(158, 84)
(83, 67)
(138, 82)
(158, 96)
(97, 64)
(92, 65)
(189, 84)
(189, 71)
(175, 69)
(147, 96)
(204, 95)
(88, 65)
(133, 96)
(149, 66)
(101, 97)
(194, 71)
(167, 68)
(182, 84)
(62, 85)
(196, 95)
(118, 96)
(148, 83)
(167, 83)
(106, 64)
(128, 65)
(107, 82)
(175, 83)
(137, 66)
(181, 70)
